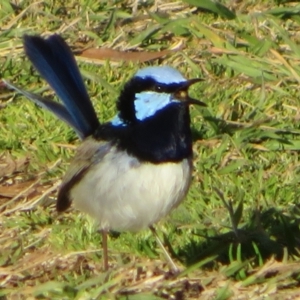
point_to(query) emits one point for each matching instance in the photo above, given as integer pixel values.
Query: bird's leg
(104, 248)
(172, 265)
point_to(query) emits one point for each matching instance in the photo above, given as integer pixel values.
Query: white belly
(123, 194)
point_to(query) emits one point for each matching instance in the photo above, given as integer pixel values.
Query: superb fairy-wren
(132, 171)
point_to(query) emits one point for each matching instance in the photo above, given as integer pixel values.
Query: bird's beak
(183, 92)
(191, 100)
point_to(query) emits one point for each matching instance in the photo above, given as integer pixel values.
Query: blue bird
(132, 171)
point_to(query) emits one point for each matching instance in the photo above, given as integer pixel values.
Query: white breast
(123, 194)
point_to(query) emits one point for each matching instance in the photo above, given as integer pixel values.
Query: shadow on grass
(269, 234)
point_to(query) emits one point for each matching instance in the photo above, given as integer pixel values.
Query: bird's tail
(55, 62)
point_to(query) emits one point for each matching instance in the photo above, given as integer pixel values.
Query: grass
(236, 236)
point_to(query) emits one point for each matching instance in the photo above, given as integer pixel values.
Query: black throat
(163, 137)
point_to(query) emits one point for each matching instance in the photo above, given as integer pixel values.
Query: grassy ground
(237, 234)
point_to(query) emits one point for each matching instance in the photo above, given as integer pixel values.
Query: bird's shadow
(269, 233)
(274, 235)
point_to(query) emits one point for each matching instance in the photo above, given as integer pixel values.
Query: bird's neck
(164, 137)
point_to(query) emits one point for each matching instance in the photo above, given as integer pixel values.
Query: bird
(131, 171)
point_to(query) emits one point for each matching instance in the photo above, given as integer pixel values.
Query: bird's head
(150, 90)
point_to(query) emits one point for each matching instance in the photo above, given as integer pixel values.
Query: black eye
(158, 88)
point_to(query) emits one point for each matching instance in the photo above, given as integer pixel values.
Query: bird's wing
(90, 152)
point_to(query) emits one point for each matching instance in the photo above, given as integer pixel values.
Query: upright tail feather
(55, 62)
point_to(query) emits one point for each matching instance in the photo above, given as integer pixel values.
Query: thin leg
(104, 247)
(172, 265)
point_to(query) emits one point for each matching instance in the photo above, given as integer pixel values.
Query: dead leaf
(114, 55)
(10, 191)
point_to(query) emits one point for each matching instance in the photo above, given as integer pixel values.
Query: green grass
(246, 146)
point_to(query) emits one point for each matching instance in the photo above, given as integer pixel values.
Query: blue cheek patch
(146, 104)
